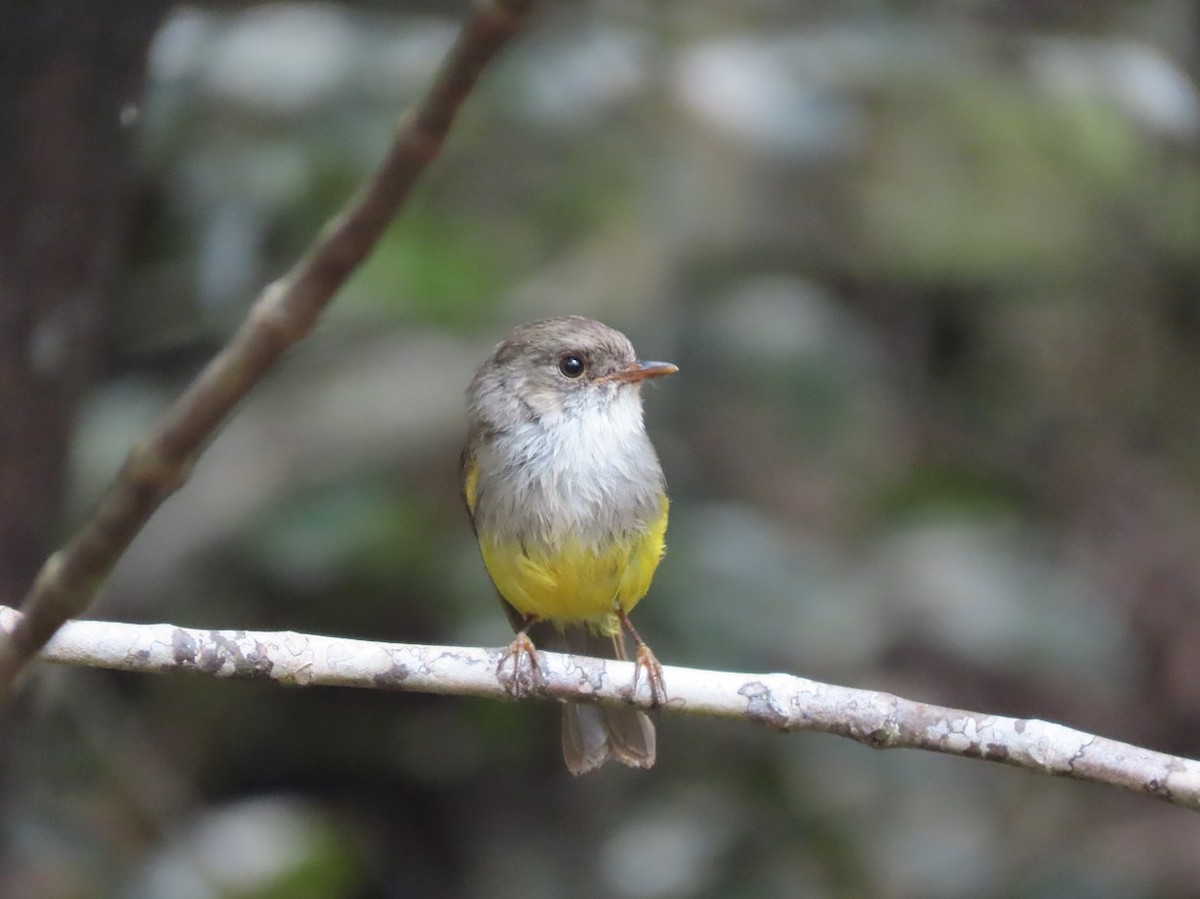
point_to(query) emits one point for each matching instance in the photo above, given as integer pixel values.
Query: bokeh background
(931, 272)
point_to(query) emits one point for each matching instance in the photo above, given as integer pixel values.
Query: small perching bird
(569, 504)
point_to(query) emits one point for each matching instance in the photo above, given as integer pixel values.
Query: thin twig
(779, 701)
(284, 313)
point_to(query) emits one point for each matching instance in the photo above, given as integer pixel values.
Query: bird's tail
(593, 734)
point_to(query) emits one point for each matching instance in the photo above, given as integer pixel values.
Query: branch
(779, 701)
(284, 313)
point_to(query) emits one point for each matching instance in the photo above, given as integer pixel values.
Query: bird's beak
(641, 371)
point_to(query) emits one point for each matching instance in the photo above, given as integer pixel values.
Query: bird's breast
(569, 480)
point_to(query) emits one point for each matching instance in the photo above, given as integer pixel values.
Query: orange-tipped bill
(641, 371)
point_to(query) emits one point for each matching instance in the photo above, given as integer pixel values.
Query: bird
(569, 505)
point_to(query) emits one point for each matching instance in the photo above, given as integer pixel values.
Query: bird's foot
(645, 660)
(518, 670)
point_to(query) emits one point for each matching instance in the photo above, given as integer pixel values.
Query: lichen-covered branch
(780, 701)
(283, 314)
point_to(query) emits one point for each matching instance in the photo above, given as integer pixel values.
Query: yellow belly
(576, 583)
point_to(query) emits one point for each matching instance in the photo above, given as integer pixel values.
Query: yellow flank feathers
(470, 482)
(571, 582)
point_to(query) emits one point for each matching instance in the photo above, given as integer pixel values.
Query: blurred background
(931, 272)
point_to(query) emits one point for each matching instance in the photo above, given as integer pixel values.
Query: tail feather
(593, 734)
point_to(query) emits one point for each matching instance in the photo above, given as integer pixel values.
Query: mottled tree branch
(779, 701)
(283, 314)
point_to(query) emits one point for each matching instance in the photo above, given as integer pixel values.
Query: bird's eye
(571, 365)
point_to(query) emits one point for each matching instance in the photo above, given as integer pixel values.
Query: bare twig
(282, 315)
(780, 701)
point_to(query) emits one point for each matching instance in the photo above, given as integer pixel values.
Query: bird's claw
(645, 660)
(526, 674)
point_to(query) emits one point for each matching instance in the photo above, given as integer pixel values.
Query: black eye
(571, 365)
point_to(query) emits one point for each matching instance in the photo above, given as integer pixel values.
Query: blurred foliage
(931, 275)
